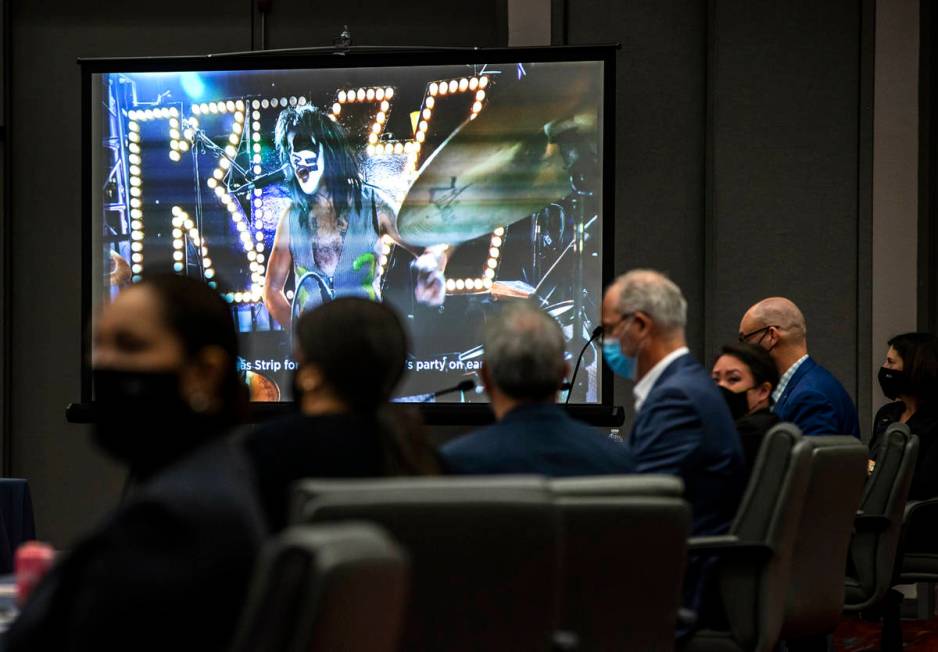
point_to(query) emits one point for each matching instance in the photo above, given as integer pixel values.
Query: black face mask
(893, 382)
(737, 402)
(142, 419)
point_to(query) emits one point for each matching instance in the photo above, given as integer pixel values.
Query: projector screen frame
(602, 413)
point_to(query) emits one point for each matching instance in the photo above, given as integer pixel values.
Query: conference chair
(816, 589)
(624, 545)
(878, 532)
(484, 555)
(324, 588)
(753, 561)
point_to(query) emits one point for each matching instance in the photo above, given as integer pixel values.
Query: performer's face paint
(307, 160)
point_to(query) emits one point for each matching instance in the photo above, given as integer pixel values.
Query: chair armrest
(870, 522)
(918, 508)
(729, 545)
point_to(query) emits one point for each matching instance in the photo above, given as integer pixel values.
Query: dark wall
(743, 159)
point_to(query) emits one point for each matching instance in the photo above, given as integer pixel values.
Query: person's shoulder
(473, 441)
(819, 379)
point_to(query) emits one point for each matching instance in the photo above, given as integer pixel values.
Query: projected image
(446, 191)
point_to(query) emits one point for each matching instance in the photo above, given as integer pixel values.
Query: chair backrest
(323, 588)
(873, 550)
(816, 590)
(484, 555)
(754, 593)
(624, 545)
(665, 486)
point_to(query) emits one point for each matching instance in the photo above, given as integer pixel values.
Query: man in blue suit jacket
(807, 394)
(682, 425)
(523, 370)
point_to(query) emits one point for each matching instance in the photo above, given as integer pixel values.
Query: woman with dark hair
(351, 354)
(170, 567)
(746, 376)
(909, 377)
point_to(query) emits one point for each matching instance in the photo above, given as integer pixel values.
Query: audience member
(682, 424)
(351, 355)
(909, 377)
(807, 394)
(747, 375)
(170, 567)
(523, 370)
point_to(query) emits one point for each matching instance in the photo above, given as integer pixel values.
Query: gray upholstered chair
(624, 543)
(878, 524)
(754, 560)
(874, 551)
(324, 588)
(484, 555)
(816, 590)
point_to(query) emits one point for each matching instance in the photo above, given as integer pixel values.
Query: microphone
(465, 386)
(281, 174)
(569, 386)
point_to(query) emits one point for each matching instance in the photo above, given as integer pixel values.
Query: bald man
(807, 395)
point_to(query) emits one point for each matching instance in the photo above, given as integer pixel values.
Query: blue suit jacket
(817, 403)
(540, 439)
(684, 428)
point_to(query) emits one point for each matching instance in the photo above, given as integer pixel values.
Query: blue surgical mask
(621, 364)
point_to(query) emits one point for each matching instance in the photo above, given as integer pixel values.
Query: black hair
(343, 175)
(760, 363)
(200, 318)
(359, 346)
(919, 353)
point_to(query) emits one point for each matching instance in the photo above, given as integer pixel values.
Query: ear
(763, 392)
(309, 378)
(486, 377)
(642, 321)
(201, 378)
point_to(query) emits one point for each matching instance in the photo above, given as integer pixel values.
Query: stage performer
(333, 223)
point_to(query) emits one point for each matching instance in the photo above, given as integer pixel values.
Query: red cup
(32, 561)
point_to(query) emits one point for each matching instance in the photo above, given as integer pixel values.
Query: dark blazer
(539, 438)
(817, 403)
(299, 446)
(167, 571)
(684, 428)
(924, 424)
(752, 429)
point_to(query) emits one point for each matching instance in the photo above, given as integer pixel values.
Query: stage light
(256, 104)
(500, 231)
(420, 136)
(175, 156)
(136, 214)
(259, 236)
(444, 88)
(423, 125)
(463, 84)
(493, 252)
(488, 284)
(136, 235)
(133, 126)
(341, 97)
(473, 83)
(135, 203)
(136, 225)
(265, 103)
(256, 126)
(430, 102)
(290, 295)
(135, 192)
(193, 122)
(136, 246)
(450, 284)
(257, 169)
(177, 233)
(283, 102)
(178, 267)
(302, 100)
(489, 273)
(213, 107)
(260, 258)
(371, 148)
(427, 113)
(219, 191)
(389, 92)
(134, 158)
(256, 158)
(136, 269)
(132, 115)
(480, 96)
(212, 182)
(360, 95)
(196, 110)
(372, 138)
(379, 149)
(242, 229)
(460, 284)
(218, 174)
(251, 255)
(234, 139)
(492, 263)
(231, 151)
(453, 85)
(237, 128)
(147, 115)
(174, 144)
(183, 146)
(336, 108)
(173, 123)
(476, 107)
(379, 94)
(224, 164)
(398, 148)
(379, 118)
(259, 247)
(178, 255)
(133, 137)
(206, 262)
(239, 117)
(434, 88)
(496, 241)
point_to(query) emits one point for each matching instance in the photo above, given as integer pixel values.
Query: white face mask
(308, 167)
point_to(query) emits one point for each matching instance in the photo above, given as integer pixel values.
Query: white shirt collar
(643, 387)
(786, 377)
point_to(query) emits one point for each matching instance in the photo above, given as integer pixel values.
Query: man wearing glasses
(682, 424)
(807, 394)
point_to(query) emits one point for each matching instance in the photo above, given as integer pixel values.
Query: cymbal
(502, 166)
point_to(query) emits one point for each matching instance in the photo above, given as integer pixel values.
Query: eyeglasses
(609, 330)
(744, 337)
